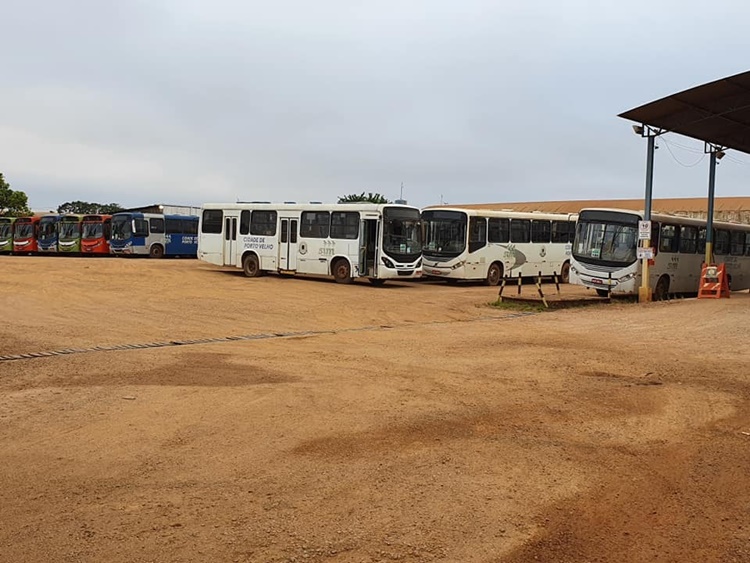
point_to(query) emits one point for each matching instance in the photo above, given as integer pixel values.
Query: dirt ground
(412, 422)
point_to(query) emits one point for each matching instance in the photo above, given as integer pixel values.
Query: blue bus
(154, 235)
(48, 233)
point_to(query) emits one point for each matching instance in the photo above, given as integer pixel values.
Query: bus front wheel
(156, 251)
(494, 274)
(565, 273)
(251, 266)
(661, 293)
(341, 271)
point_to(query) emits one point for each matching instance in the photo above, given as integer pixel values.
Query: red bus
(26, 235)
(97, 230)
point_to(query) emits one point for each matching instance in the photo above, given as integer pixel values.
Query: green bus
(69, 234)
(7, 225)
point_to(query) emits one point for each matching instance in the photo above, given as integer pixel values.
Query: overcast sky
(189, 101)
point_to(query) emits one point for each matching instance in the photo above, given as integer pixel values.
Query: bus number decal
(326, 251)
(674, 263)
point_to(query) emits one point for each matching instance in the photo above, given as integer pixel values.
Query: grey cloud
(474, 101)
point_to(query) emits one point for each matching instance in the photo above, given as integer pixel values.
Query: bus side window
(477, 233)
(701, 248)
(213, 221)
(499, 230)
(156, 225)
(655, 237)
(747, 244)
(688, 240)
(141, 228)
(737, 243)
(520, 230)
(107, 229)
(669, 241)
(721, 242)
(245, 222)
(562, 231)
(540, 231)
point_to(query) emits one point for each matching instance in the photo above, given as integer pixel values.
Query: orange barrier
(714, 283)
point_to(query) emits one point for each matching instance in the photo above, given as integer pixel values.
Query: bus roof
(510, 214)
(667, 217)
(363, 206)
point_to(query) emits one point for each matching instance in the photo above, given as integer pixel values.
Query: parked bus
(7, 225)
(69, 234)
(346, 241)
(478, 244)
(95, 235)
(48, 233)
(25, 235)
(154, 234)
(606, 241)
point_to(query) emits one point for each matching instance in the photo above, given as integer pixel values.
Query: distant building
(167, 209)
(735, 209)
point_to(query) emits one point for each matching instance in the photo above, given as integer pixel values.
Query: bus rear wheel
(565, 273)
(156, 251)
(661, 293)
(341, 271)
(494, 274)
(251, 266)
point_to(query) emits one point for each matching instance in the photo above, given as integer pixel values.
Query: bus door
(368, 247)
(230, 238)
(288, 243)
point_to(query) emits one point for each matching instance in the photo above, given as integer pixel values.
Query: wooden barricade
(714, 283)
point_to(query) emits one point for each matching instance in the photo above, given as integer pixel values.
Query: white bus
(352, 240)
(478, 244)
(606, 241)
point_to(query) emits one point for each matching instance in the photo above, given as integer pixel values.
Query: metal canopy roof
(717, 112)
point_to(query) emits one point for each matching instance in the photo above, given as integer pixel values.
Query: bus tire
(661, 292)
(156, 251)
(565, 273)
(377, 282)
(494, 274)
(251, 266)
(341, 271)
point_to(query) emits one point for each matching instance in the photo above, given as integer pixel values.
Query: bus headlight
(388, 263)
(626, 277)
(457, 265)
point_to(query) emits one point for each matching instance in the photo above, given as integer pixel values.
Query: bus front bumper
(624, 285)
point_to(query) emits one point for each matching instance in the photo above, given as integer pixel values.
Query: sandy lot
(411, 422)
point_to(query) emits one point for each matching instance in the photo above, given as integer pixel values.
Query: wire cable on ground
(246, 337)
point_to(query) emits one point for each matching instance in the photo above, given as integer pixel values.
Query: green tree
(369, 198)
(13, 203)
(88, 208)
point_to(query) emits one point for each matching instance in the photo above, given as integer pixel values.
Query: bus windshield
(605, 242)
(47, 229)
(24, 230)
(93, 230)
(402, 233)
(5, 228)
(445, 233)
(121, 228)
(70, 231)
